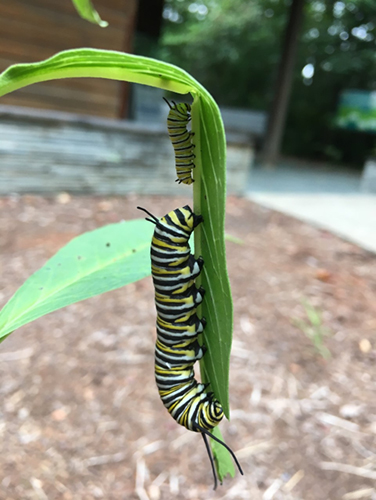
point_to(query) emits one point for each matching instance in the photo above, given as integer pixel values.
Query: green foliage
(93, 263)
(314, 329)
(208, 192)
(87, 11)
(241, 42)
(342, 60)
(225, 42)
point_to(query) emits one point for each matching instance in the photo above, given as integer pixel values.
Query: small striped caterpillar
(181, 138)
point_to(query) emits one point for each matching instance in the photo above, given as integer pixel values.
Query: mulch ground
(80, 417)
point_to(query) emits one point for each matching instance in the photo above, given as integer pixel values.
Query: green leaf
(223, 460)
(91, 264)
(95, 63)
(86, 10)
(209, 191)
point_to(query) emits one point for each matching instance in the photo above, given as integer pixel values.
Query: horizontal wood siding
(34, 30)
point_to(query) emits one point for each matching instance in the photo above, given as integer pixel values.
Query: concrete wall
(368, 182)
(48, 152)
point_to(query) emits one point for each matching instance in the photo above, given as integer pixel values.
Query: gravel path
(80, 415)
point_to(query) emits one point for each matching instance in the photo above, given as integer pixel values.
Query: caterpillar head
(215, 410)
(183, 217)
(182, 107)
(191, 220)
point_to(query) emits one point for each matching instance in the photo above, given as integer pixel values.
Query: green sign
(357, 110)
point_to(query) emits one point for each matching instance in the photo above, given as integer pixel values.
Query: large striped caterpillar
(174, 270)
(181, 138)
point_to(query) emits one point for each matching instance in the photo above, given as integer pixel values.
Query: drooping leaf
(86, 10)
(96, 63)
(91, 264)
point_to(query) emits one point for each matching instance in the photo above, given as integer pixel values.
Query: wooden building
(33, 30)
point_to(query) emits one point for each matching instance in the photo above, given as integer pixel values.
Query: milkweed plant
(88, 266)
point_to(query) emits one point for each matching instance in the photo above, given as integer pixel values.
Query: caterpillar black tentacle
(181, 139)
(211, 460)
(153, 219)
(174, 270)
(204, 431)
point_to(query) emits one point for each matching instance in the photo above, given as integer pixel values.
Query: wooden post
(147, 23)
(277, 117)
(125, 87)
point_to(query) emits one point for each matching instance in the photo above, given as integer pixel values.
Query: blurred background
(295, 81)
(319, 52)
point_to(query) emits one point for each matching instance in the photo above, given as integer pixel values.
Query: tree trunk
(277, 117)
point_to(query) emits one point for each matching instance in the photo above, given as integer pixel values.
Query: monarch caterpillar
(174, 270)
(181, 138)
